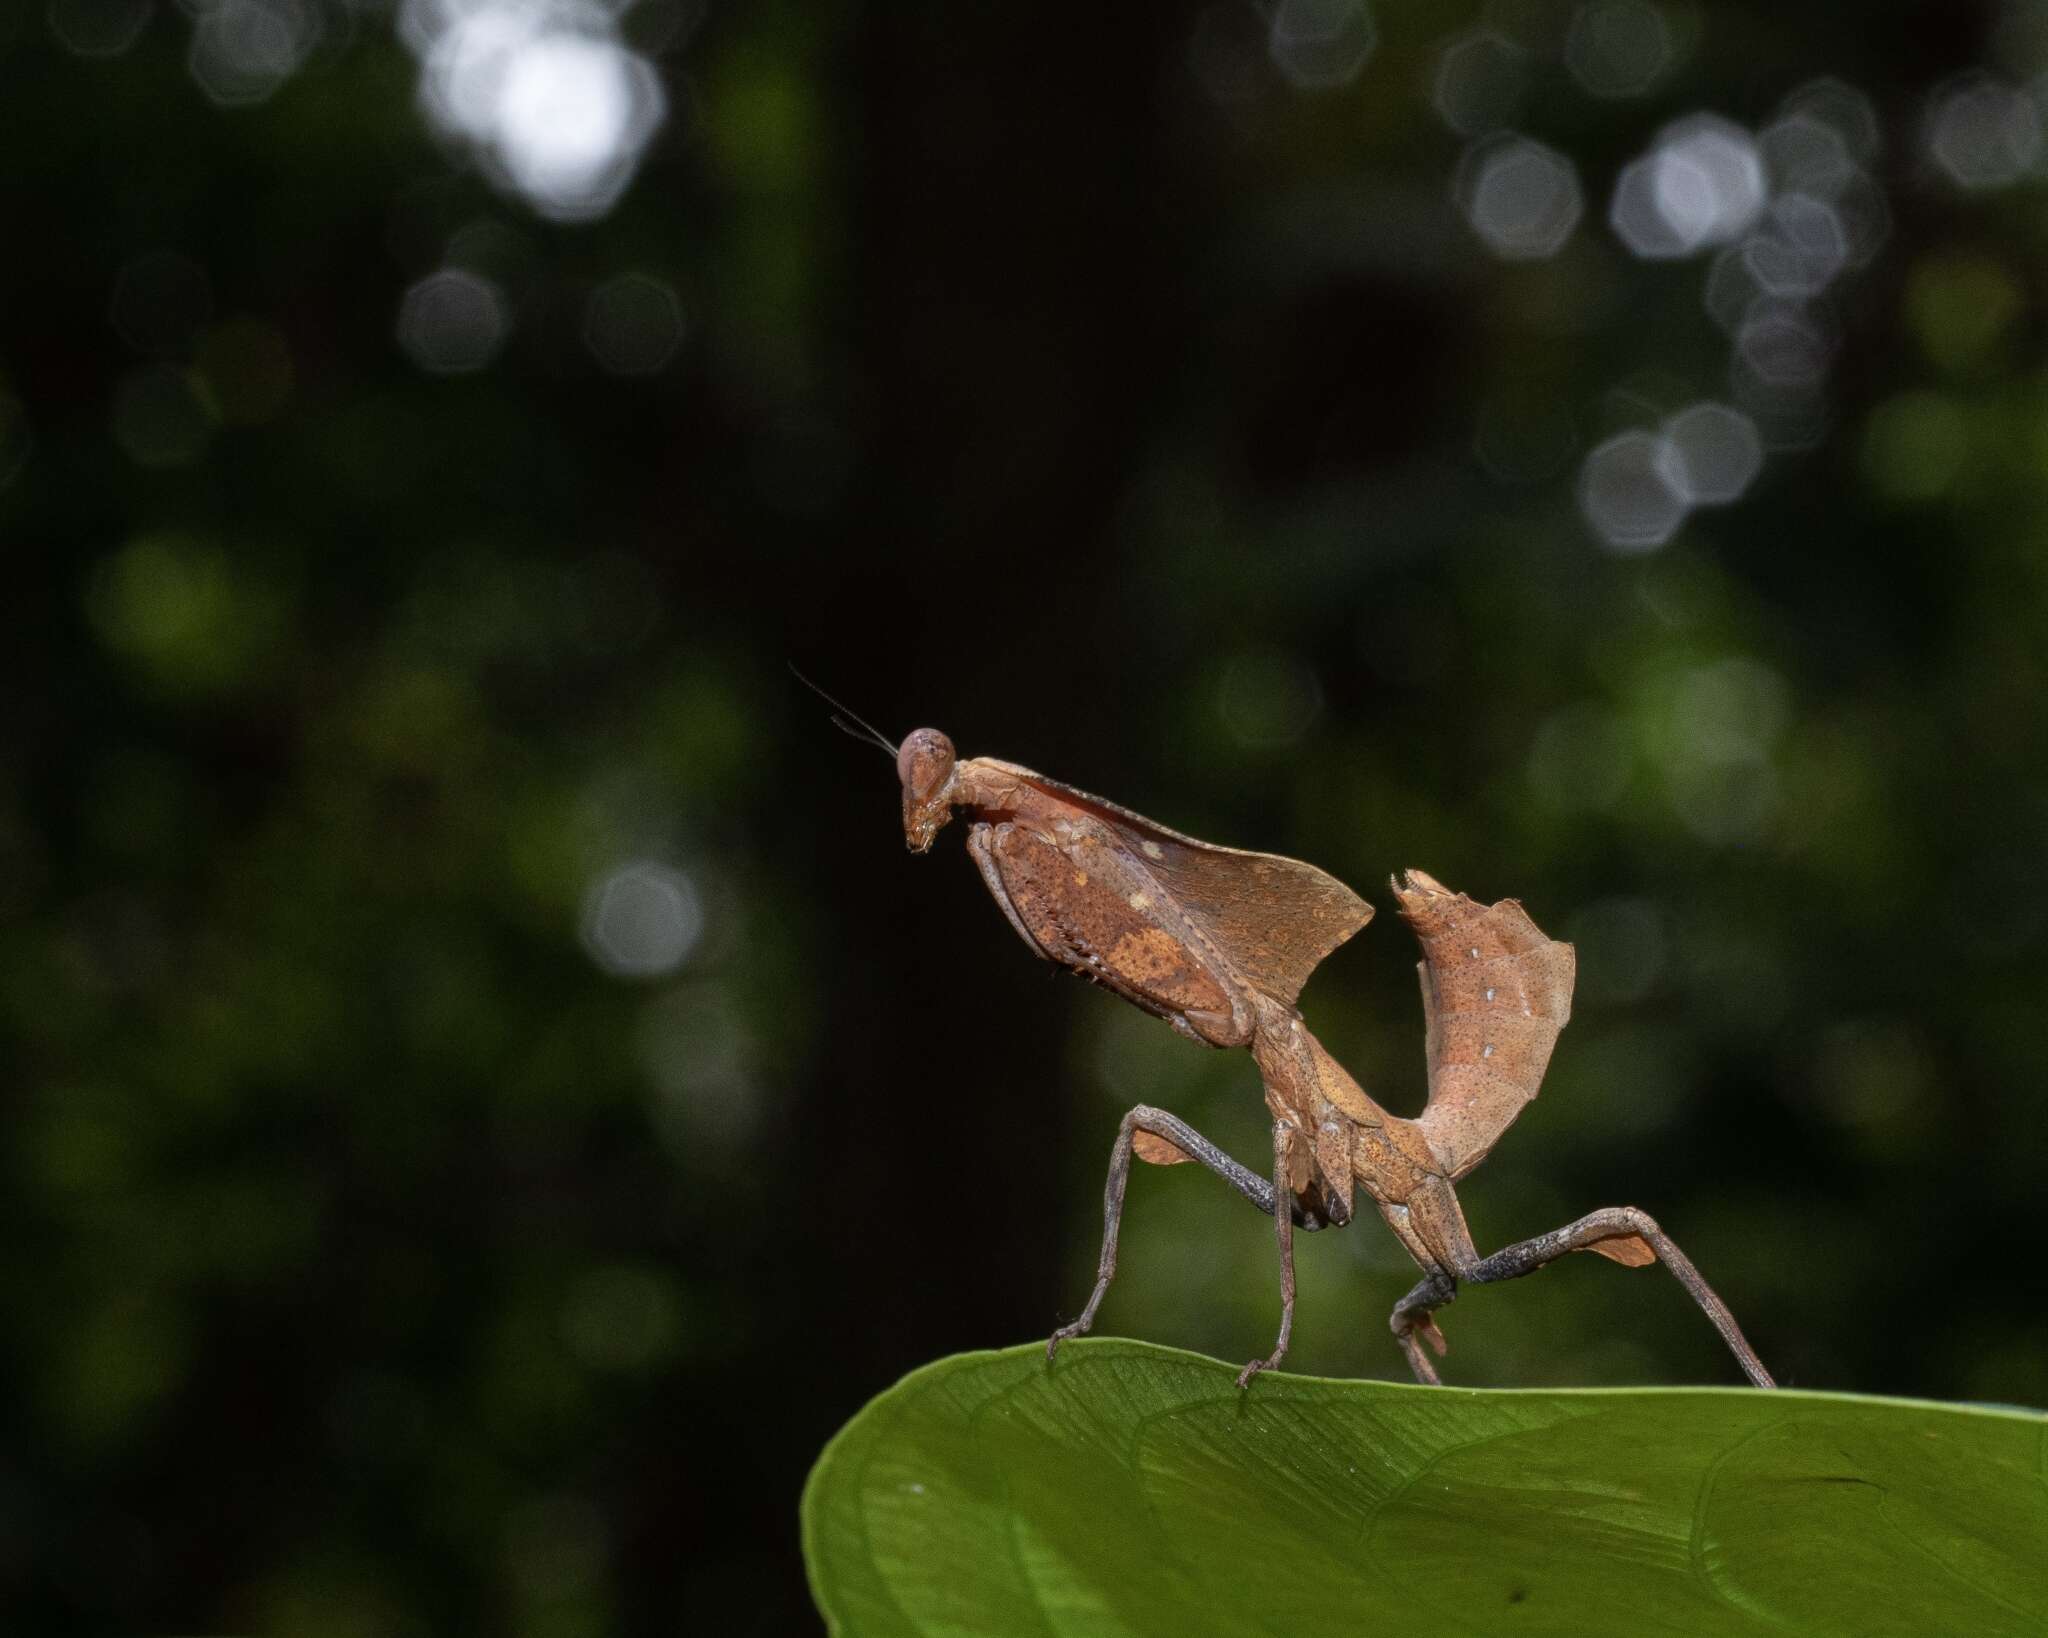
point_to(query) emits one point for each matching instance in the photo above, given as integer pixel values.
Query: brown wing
(1275, 918)
(1086, 906)
(1495, 993)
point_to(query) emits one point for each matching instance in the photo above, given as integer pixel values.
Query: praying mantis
(1218, 943)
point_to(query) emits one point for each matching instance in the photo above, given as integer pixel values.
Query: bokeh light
(1701, 184)
(623, 1319)
(641, 919)
(1520, 197)
(544, 92)
(1789, 213)
(171, 607)
(556, 1547)
(453, 322)
(1732, 288)
(1628, 492)
(1620, 48)
(1799, 248)
(1711, 454)
(243, 50)
(99, 28)
(1724, 720)
(1844, 109)
(706, 1101)
(1804, 153)
(1782, 348)
(1914, 446)
(1320, 45)
(1982, 133)
(1480, 82)
(633, 324)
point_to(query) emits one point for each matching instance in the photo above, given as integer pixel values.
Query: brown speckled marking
(1150, 956)
(1080, 919)
(1495, 993)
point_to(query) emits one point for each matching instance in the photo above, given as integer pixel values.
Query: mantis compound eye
(924, 763)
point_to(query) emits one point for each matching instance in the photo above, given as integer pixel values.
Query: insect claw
(1252, 1369)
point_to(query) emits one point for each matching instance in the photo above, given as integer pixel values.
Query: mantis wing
(1495, 993)
(1275, 919)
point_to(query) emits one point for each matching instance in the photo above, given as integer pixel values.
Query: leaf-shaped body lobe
(1091, 908)
(1158, 1151)
(1495, 993)
(1629, 1250)
(1274, 918)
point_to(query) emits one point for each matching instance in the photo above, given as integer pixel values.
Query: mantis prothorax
(1218, 943)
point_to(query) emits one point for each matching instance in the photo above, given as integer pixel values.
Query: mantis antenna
(846, 720)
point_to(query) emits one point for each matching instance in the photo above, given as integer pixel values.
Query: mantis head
(924, 762)
(925, 765)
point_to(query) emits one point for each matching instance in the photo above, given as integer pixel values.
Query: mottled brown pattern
(1083, 918)
(1278, 918)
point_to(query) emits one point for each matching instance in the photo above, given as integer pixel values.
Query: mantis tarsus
(1218, 943)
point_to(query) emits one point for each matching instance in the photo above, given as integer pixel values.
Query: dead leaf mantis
(1218, 943)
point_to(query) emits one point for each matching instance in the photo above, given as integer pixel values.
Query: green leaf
(1133, 1490)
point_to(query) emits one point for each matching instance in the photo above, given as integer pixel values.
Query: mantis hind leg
(1260, 1191)
(1632, 1238)
(1621, 1233)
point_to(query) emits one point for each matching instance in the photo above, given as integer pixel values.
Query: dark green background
(375, 1262)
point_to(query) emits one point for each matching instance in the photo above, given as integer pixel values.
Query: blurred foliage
(490, 1094)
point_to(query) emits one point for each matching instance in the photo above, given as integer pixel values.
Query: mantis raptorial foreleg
(1258, 1190)
(1623, 1233)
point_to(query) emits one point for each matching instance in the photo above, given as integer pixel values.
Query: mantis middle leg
(1283, 1231)
(1258, 1190)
